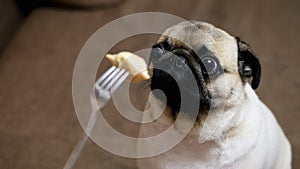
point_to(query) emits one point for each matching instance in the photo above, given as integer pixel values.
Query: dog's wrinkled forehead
(195, 35)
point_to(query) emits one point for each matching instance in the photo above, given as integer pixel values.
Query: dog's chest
(189, 154)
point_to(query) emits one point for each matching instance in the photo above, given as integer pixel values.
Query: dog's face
(197, 51)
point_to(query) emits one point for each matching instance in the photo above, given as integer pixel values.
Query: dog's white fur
(247, 139)
(246, 134)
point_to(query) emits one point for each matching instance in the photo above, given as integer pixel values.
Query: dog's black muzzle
(179, 77)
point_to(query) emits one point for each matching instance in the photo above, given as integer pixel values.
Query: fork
(101, 93)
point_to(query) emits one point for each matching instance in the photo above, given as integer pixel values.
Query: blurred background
(41, 39)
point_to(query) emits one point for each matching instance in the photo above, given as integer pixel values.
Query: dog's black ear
(248, 64)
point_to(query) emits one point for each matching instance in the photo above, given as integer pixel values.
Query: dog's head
(196, 51)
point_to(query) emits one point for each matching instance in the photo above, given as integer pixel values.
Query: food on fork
(133, 63)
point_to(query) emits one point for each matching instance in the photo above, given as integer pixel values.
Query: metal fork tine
(104, 76)
(115, 78)
(105, 86)
(119, 82)
(110, 77)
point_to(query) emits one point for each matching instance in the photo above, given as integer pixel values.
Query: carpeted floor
(38, 125)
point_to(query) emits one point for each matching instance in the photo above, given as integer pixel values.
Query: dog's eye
(210, 65)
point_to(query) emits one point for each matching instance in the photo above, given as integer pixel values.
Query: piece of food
(133, 63)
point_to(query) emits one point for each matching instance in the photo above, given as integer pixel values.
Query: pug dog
(210, 71)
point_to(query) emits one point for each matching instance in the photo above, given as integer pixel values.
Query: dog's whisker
(146, 83)
(236, 93)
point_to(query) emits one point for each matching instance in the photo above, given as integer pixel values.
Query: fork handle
(81, 142)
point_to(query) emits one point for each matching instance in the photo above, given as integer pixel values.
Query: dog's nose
(174, 65)
(180, 62)
(167, 59)
(170, 61)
